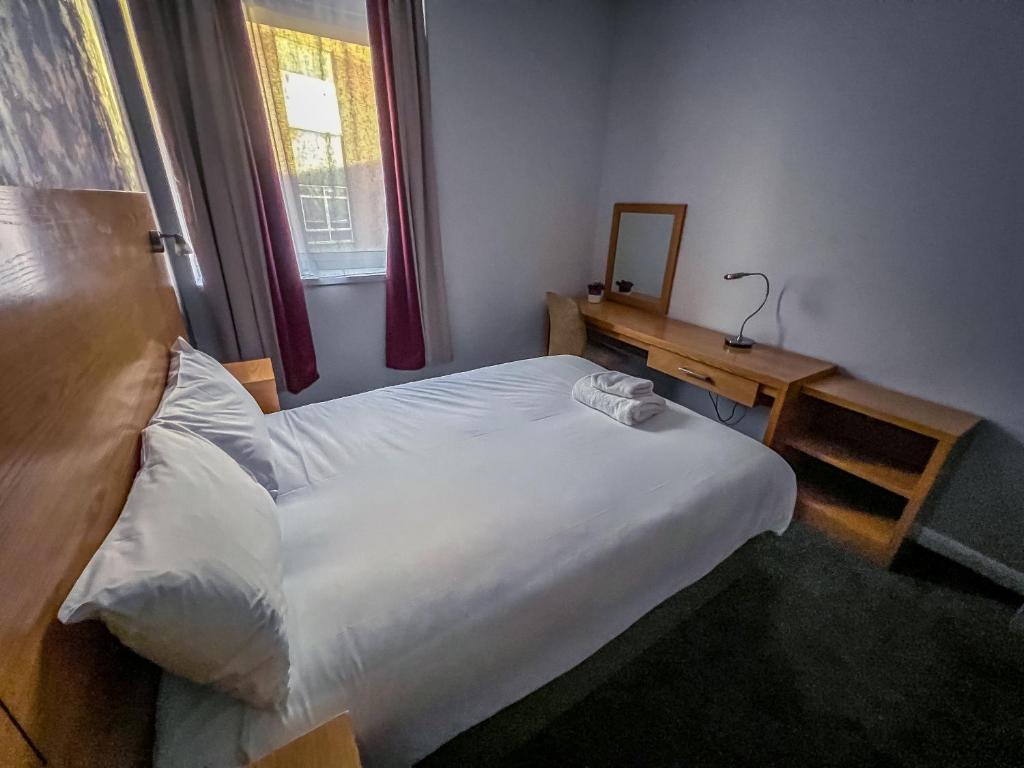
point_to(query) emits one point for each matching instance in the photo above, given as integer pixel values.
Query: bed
(451, 545)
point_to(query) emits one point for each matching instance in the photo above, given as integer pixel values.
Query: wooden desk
(866, 458)
(763, 375)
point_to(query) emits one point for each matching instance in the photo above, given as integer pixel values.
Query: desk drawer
(743, 391)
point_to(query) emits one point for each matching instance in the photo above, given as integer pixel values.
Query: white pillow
(204, 398)
(190, 575)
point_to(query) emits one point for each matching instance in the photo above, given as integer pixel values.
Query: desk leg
(782, 411)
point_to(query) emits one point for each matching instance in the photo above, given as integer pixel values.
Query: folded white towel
(628, 410)
(621, 384)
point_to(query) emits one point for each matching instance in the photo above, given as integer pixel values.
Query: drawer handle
(695, 375)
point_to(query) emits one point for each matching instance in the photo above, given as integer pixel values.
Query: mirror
(642, 254)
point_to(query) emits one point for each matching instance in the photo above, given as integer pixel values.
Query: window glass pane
(337, 209)
(311, 104)
(313, 213)
(299, 53)
(322, 109)
(317, 158)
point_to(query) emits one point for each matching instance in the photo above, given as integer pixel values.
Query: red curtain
(404, 347)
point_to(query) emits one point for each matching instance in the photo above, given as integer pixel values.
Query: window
(323, 116)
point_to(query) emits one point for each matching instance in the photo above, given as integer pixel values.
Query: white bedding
(451, 545)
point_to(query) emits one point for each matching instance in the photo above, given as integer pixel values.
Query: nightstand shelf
(866, 459)
(845, 519)
(849, 457)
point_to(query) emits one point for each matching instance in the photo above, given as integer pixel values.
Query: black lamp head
(737, 275)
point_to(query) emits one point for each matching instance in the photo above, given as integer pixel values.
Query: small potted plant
(595, 292)
(625, 286)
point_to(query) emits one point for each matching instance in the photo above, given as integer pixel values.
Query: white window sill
(314, 280)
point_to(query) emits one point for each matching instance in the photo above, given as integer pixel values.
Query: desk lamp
(739, 340)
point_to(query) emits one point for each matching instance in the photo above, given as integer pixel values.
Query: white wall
(519, 99)
(870, 158)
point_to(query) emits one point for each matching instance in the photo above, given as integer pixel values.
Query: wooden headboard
(87, 314)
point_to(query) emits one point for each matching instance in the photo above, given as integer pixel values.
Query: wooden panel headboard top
(87, 314)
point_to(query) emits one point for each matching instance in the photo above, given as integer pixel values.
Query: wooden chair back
(567, 334)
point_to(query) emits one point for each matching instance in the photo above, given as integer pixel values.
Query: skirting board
(1001, 574)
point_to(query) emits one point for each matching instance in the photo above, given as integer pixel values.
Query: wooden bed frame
(87, 316)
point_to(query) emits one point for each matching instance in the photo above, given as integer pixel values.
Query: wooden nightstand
(332, 745)
(257, 376)
(866, 459)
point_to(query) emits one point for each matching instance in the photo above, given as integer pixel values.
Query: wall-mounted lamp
(739, 340)
(156, 241)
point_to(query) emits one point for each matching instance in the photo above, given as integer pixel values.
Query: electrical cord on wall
(731, 420)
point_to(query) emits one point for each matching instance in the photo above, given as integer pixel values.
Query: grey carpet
(810, 657)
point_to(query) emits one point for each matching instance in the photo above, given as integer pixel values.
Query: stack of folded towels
(625, 398)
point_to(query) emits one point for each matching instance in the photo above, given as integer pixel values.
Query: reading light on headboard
(739, 340)
(156, 241)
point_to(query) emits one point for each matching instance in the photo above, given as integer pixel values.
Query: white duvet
(453, 544)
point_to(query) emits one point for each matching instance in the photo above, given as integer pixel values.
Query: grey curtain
(197, 59)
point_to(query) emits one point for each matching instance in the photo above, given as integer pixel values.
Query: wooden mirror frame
(657, 304)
